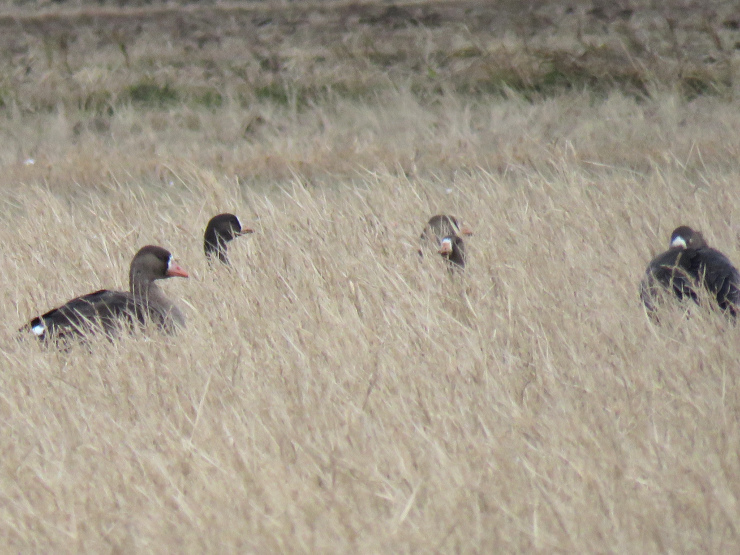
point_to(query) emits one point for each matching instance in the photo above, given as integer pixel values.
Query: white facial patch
(445, 245)
(169, 263)
(238, 223)
(679, 242)
(38, 329)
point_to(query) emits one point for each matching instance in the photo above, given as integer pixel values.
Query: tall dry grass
(331, 392)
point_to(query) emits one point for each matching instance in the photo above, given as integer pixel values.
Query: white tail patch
(38, 329)
(678, 242)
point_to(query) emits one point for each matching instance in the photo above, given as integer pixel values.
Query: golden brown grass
(331, 392)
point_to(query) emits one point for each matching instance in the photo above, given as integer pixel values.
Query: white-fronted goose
(687, 264)
(219, 231)
(443, 233)
(110, 310)
(440, 226)
(452, 249)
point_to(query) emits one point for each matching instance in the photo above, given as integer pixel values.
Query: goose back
(690, 264)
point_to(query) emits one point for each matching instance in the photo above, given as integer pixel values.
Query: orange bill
(175, 270)
(445, 247)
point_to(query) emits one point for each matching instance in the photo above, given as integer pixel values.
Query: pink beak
(446, 248)
(175, 270)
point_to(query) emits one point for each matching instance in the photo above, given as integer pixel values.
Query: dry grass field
(332, 393)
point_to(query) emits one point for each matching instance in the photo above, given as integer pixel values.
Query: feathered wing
(104, 309)
(721, 278)
(671, 271)
(682, 271)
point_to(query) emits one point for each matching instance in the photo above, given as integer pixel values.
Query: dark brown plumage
(690, 264)
(452, 249)
(441, 228)
(219, 231)
(109, 310)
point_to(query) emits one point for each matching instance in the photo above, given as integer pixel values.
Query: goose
(144, 302)
(452, 249)
(444, 233)
(689, 263)
(442, 225)
(219, 231)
